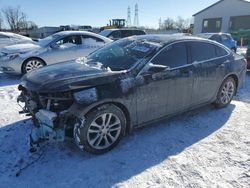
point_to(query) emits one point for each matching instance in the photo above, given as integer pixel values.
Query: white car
(59, 47)
(7, 39)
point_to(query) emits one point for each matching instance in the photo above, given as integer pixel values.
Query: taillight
(245, 61)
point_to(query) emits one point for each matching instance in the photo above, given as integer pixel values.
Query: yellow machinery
(115, 23)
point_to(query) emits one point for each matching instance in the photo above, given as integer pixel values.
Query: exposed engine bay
(49, 113)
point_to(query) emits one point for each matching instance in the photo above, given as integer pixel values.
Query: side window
(70, 40)
(202, 51)
(139, 32)
(225, 37)
(216, 38)
(220, 51)
(172, 56)
(126, 33)
(90, 40)
(115, 34)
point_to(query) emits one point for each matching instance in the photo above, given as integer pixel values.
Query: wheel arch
(29, 58)
(236, 79)
(119, 105)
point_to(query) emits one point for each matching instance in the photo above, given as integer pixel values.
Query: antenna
(136, 18)
(129, 17)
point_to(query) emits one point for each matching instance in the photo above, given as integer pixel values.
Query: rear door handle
(222, 65)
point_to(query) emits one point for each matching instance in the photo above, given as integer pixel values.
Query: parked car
(248, 57)
(223, 38)
(62, 46)
(7, 39)
(116, 34)
(127, 84)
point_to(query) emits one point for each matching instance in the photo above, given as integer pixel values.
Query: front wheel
(226, 92)
(32, 64)
(102, 129)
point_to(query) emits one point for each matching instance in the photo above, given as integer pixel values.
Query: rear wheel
(32, 64)
(102, 129)
(226, 92)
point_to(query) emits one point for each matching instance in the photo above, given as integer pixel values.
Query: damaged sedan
(125, 85)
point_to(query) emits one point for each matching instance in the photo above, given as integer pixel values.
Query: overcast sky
(98, 12)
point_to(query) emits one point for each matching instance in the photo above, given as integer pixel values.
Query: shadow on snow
(63, 165)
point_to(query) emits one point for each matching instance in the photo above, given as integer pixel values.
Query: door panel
(169, 91)
(64, 49)
(165, 93)
(208, 71)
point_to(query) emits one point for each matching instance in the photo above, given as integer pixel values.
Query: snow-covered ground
(204, 148)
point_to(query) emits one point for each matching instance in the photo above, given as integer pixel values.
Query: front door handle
(186, 73)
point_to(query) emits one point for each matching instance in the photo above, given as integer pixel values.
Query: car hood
(20, 48)
(67, 76)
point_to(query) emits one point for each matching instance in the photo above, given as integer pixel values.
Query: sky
(98, 12)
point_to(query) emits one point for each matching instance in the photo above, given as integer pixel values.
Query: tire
(226, 92)
(32, 64)
(102, 129)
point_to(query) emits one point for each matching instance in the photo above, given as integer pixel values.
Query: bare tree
(169, 23)
(31, 25)
(15, 18)
(180, 22)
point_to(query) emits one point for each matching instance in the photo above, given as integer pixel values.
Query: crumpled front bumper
(46, 128)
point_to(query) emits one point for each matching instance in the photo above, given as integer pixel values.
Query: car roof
(215, 34)
(166, 39)
(65, 33)
(121, 29)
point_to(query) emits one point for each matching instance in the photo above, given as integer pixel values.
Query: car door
(169, 91)
(89, 44)
(63, 49)
(209, 66)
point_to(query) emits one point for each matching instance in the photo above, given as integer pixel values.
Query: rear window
(220, 51)
(202, 51)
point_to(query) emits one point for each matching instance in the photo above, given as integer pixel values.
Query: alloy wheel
(104, 131)
(33, 64)
(227, 92)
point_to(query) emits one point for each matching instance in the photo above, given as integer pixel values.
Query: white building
(223, 16)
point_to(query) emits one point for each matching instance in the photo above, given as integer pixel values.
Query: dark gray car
(127, 84)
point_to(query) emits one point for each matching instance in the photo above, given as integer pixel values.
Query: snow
(204, 148)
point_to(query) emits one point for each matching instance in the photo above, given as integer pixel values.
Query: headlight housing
(8, 57)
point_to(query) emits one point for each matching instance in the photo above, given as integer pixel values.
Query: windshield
(48, 40)
(122, 54)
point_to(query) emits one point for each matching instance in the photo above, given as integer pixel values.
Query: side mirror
(154, 68)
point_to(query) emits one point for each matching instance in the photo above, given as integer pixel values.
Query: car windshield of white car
(123, 54)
